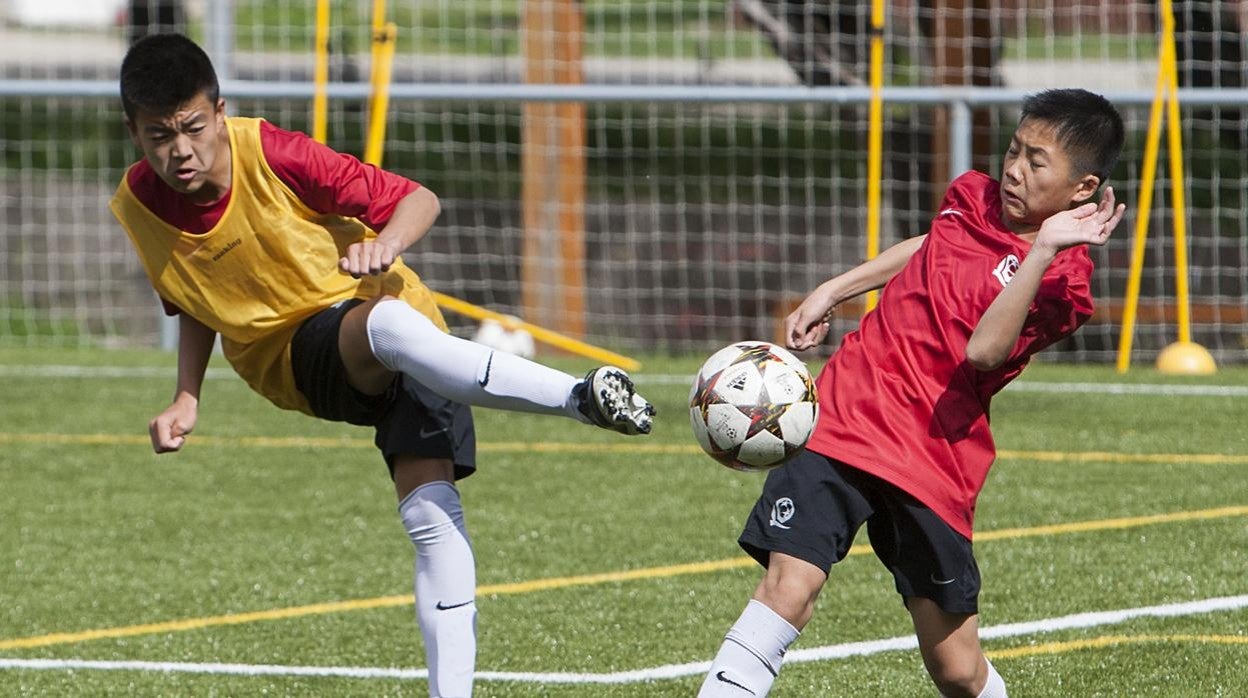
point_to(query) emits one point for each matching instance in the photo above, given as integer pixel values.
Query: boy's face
(1037, 180)
(188, 148)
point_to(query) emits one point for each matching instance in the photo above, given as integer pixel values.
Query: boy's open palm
(1089, 224)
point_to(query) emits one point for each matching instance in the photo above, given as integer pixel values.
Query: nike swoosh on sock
(720, 675)
(486, 379)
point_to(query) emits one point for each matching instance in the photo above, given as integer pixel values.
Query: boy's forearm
(413, 216)
(874, 273)
(195, 343)
(998, 330)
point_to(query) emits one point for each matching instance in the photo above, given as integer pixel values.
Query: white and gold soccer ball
(753, 406)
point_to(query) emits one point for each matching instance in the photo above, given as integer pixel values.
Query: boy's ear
(133, 131)
(1085, 188)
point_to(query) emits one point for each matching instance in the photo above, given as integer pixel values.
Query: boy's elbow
(984, 358)
(430, 200)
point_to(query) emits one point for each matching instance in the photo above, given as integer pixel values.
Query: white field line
(1130, 389)
(670, 671)
(66, 371)
(71, 371)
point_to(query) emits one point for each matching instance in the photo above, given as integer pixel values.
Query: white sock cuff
(431, 510)
(758, 612)
(388, 327)
(764, 632)
(436, 490)
(995, 687)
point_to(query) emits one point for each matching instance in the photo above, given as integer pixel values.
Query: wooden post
(552, 275)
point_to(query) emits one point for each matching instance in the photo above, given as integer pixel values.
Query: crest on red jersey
(1005, 269)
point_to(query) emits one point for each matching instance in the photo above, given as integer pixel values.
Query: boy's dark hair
(1086, 125)
(162, 72)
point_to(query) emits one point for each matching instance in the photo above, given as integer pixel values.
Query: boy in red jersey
(267, 238)
(902, 443)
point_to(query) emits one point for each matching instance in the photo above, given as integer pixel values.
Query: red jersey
(327, 181)
(898, 398)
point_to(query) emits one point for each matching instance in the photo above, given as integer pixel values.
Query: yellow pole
(379, 19)
(875, 138)
(1152, 145)
(1177, 182)
(320, 74)
(384, 58)
(384, 35)
(554, 339)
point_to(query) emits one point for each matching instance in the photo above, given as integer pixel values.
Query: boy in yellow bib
(291, 253)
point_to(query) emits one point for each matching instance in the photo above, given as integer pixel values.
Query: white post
(960, 126)
(168, 331)
(219, 37)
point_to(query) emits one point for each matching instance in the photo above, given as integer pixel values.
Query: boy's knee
(790, 588)
(958, 675)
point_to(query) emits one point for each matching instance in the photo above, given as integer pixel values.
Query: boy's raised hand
(1089, 224)
(368, 258)
(808, 325)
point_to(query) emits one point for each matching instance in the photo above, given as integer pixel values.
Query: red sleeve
(332, 182)
(1062, 305)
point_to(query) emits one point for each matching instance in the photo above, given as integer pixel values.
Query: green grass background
(702, 29)
(107, 535)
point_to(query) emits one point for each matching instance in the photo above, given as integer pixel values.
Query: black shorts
(812, 507)
(410, 419)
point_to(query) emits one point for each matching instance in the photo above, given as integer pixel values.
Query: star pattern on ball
(763, 415)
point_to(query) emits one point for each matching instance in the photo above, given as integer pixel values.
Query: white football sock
(406, 341)
(750, 657)
(995, 688)
(446, 586)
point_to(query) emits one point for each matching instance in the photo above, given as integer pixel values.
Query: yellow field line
(1110, 524)
(581, 447)
(1113, 457)
(1109, 641)
(206, 622)
(367, 604)
(564, 582)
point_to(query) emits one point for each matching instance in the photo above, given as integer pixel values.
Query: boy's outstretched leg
(387, 335)
(445, 575)
(606, 398)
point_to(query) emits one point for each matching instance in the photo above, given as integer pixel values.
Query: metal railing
(959, 100)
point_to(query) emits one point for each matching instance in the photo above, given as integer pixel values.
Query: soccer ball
(753, 406)
(516, 341)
